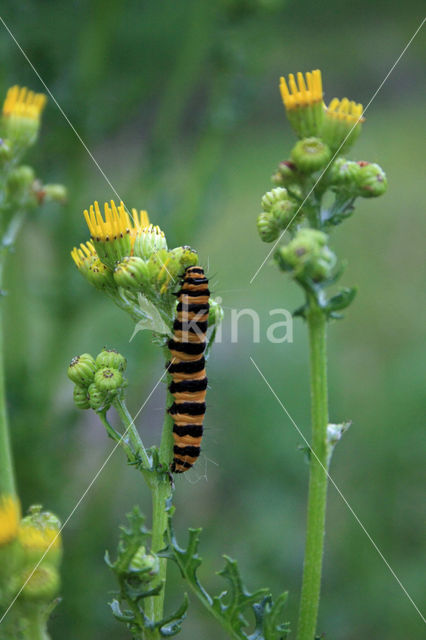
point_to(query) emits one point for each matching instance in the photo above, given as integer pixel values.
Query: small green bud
(100, 275)
(310, 155)
(372, 181)
(149, 240)
(186, 256)
(82, 369)
(132, 273)
(145, 565)
(284, 213)
(273, 197)
(81, 397)
(97, 398)
(54, 193)
(39, 537)
(111, 358)
(40, 585)
(215, 312)
(19, 182)
(307, 256)
(288, 172)
(108, 379)
(343, 173)
(267, 227)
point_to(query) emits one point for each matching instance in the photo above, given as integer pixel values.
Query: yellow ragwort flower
(342, 124)
(307, 93)
(303, 102)
(116, 224)
(346, 110)
(21, 102)
(83, 256)
(33, 538)
(10, 516)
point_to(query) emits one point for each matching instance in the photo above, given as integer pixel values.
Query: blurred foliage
(178, 102)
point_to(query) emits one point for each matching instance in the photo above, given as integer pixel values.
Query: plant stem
(161, 491)
(132, 432)
(311, 586)
(7, 478)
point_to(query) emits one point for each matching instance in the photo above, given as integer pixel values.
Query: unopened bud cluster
(97, 380)
(315, 166)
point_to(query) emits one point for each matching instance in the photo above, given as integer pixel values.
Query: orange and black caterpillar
(187, 368)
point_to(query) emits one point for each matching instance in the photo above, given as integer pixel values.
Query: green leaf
(341, 300)
(152, 320)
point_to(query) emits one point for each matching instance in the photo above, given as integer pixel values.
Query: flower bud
(97, 398)
(146, 565)
(307, 256)
(372, 181)
(343, 173)
(82, 369)
(272, 197)
(186, 256)
(84, 256)
(54, 193)
(132, 273)
(215, 312)
(81, 397)
(41, 585)
(10, 515)
(108, 379)
(39, 537)
(148, 241)
(310, 155)
(100, 275)
(19, 183)
(267, 227)
(111, 358)
(284, 213)
(342, 124)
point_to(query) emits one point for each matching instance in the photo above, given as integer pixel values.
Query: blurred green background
(178, 102)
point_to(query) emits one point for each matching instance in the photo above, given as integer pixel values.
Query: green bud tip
(372, 181)
(307, 256)
(310, 155)
(108, 379)
(81, 397)
(97, 398)
(111, 358)
(82, 369)
(267, 227)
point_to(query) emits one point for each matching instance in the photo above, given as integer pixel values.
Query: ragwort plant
(128, 259)
(315, 190)
(30, 546)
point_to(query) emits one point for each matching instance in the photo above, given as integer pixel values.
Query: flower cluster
(97, 381)
(128, 258)
(315, 166)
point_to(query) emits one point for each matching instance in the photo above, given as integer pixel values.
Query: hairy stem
(7, 478)
(318, 478)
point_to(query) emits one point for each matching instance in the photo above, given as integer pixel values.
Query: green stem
(161, 490)
(311, 586)
(132, 432)
(7, 477)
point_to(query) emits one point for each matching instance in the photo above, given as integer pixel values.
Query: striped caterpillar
(187, 368)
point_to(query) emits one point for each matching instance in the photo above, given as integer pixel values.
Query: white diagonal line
(337, 152)
(92, 482)
(72, 126)
(339, 492)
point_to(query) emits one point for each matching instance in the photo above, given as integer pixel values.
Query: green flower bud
(100, 275)
(267, 227)
(372, 181)
(84, 256)
(81, 397)
(148, 241)
(55, 193)
(40, 585)
(215, 312)
(146, 565)
(307, 256)
(111, 358)
(284, 213)
(310, 155)
(132, 273)
(97, 398)
(108, 379)
(343, 173)
(186, 256)
(272, 197)
(288, 172)
(19, 182)
(82, 369)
